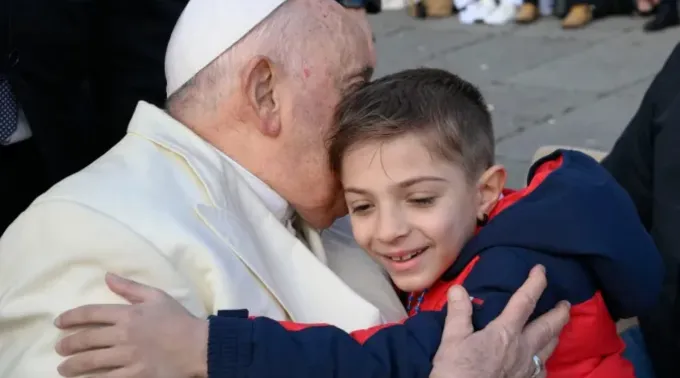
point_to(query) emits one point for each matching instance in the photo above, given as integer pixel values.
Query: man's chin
(320, 222)
(323, 219)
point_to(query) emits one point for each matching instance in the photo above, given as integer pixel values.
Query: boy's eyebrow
(355, 190)
(403, 184)
(416, 180)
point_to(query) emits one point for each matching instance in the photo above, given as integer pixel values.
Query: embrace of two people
(229, 204)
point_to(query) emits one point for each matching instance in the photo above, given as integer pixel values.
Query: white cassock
(166, 208)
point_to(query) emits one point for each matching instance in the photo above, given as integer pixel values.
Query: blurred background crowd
(573, 14)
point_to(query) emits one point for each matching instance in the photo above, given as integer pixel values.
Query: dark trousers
(78, 69)
(22, 179)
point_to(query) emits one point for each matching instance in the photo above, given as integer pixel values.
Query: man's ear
(258, 85)
(490, 186)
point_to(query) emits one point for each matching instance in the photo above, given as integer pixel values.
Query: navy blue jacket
(577, 222)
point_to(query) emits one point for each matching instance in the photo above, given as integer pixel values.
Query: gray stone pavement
(545, 85)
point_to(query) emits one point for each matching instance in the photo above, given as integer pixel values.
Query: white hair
(278, 38)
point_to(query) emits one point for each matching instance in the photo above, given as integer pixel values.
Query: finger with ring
(538, 366)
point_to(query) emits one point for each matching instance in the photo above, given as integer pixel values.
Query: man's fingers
(523, 302)
(133, 291)
(96, 361)
(542, 335)
(459, 316)
(546, 352)
(88, 315)
(88, 339)
(542, 331)
(543, 355)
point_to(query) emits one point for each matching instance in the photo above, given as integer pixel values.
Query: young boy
(415, 153)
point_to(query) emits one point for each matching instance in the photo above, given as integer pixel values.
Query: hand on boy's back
(505, 347)
(140, 339)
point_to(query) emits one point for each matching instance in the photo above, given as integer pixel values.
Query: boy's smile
(403, 261)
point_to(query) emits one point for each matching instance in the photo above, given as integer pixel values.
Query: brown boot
(579, 16)
(526, 14)
(438, 8)
(430, 8)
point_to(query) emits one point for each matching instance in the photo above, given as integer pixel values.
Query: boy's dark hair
(447, 111)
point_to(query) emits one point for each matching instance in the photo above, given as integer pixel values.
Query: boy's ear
(490, 186)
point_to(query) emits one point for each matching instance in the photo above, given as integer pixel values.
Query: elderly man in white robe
(218, 199)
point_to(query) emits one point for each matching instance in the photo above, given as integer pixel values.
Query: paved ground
(546, 85)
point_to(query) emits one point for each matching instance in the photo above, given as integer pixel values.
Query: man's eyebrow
(366, 72)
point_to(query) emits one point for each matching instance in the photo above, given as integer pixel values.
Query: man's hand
(154, 338)
(505, 348)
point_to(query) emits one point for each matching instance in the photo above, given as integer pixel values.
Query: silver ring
(538, 366)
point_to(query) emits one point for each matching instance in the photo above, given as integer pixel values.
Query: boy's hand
(155, 338)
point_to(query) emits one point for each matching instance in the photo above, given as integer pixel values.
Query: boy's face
(411, 211)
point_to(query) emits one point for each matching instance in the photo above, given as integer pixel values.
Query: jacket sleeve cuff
(230, 345)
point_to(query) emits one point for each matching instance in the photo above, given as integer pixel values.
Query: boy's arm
(501, 271)
(240, 346)
(260, 347)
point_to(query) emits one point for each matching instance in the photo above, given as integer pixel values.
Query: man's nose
(392, 226)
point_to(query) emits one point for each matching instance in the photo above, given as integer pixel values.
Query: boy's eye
(360, 208)
(422, 201)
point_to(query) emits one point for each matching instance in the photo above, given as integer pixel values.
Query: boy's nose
(391, 226)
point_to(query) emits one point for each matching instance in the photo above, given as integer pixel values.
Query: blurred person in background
(665, 13)
(71, 74)
(646, 161)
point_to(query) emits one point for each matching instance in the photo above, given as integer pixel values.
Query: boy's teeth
(403, 258)
(406, 257)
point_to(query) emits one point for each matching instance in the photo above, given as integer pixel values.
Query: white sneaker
(503, 13)
(475, 11)
(465, 13)
(393, 4)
